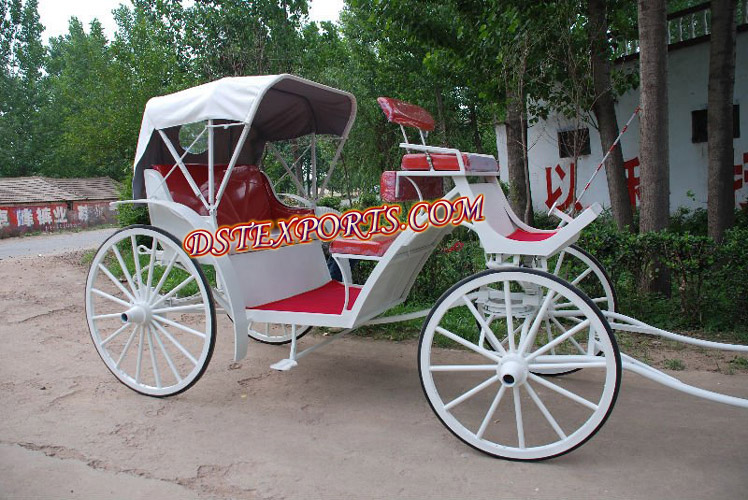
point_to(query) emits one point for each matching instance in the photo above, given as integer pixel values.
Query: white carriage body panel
(270, 275)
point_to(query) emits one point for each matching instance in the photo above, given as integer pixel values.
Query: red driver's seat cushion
(522, 235)
(374, 247)
(473, 162)
(248, 195)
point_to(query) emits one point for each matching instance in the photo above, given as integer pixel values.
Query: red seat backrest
(404, 113)
(248, 195)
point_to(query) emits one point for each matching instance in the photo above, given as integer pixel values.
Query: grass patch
(674, 364)
(739, 363)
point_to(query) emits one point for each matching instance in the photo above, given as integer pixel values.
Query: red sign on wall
(19, 219)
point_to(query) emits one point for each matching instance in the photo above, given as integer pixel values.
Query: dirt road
(53, 243)
(349, 422)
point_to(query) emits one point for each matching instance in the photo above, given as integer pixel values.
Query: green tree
(22, 58)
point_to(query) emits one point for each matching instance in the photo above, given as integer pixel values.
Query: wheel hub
(513, 370)
(138, 313)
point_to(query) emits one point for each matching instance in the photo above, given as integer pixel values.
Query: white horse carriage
(518, 361)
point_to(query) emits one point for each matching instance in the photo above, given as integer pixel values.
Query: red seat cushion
(374, 247)
(327, 299)
(522, 235)
(430, 187)
(440, 161)
(473, 162)
(248, 195)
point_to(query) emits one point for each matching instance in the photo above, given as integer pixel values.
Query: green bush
(709, 280)
(367, 200)
(129, 214)
(709, 286)
(333, 202)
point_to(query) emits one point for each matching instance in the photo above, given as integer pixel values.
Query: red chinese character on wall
(632, 180)
(740, 179)
(554, 194)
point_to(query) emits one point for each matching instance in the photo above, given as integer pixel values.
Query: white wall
(688, 70)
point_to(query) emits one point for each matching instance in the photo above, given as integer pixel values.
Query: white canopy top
(277, 107)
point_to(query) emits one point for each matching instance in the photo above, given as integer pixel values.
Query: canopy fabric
(278, 107)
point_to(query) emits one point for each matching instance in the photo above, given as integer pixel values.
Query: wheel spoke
(581, 359)
(174, 290)
(518, 418)
(149, 279)
(558, 340)
(111, 337)
(462, 368)
(472, 392)
(467, 344)
(156, 374)
(484, 327)
(136, 258)
(571, 339)
(116, 282)
(509, 318)
(491, 411)
(564, 392)
(176, 344)
(550, 368)
(579, 278)
(530, 338)
(558, 263)
(138, 362)
(125, 271)
(110, 297)
(106, 316)
(549, 334)
(185, 308)
(169, 361)
(545, 412)
(187, 329)
(167, 271)
(127, 346)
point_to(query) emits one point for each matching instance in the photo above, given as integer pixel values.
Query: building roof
(45, 189)
(89, 188)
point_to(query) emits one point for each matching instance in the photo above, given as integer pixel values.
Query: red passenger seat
(248, 195)
(327, 299)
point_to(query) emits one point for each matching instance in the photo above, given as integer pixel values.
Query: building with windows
(563, 152)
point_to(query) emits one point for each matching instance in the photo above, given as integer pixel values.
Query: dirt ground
(350, 422)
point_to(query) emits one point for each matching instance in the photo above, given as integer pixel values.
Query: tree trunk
(721, 199)
(474, 126)
(654, 152)
(441, 124)
(605, 113)
(516, 152)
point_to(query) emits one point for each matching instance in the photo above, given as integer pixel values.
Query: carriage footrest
(284, 365)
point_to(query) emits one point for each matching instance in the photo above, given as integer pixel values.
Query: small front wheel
(150, 311)
(483, 383)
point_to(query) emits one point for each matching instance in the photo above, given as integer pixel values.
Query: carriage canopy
(275, 107)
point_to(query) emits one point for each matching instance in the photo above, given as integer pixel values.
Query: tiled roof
(44, 189)
(91, 188)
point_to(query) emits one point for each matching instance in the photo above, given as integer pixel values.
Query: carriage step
(284, 365)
